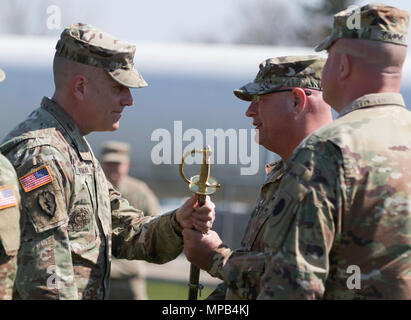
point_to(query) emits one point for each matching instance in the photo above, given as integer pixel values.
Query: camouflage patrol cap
(377, 22)
(115, 151)
(89, 45)
(2, 75)
(289, 71)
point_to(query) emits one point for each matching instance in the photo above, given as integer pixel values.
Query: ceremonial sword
(202, 185)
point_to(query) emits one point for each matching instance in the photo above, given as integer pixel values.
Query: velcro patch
(7, 197)
(36, 179)
(47, 202)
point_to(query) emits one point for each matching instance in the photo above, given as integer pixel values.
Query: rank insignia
(36, 179)
(7, 197)
(47, 203)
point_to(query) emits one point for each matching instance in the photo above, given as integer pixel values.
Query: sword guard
(210, 186)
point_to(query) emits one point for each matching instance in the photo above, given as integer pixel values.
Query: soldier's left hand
(200, 248)
(190, 214)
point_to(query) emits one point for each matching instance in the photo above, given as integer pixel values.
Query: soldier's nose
(252, 110)
(127, 99)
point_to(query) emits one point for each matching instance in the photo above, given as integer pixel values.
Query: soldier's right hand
(190, 214)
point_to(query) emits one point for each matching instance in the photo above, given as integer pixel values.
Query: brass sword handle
(202, 185)
(205, 186)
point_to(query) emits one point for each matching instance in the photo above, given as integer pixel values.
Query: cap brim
(240, 94)
(325, 44)
(129, 78)
(251, 89)
(2, 75)
(247, 92)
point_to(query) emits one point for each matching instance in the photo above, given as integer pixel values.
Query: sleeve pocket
(283, 210)
(10, 229)
(42, 197)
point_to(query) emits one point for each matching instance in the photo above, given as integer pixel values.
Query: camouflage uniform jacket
(343, 209)
(9, 227)
(75, 217)
(237, 268)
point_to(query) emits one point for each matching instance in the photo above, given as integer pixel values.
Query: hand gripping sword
(202, 185)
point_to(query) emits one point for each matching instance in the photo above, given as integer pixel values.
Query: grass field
(167, 290)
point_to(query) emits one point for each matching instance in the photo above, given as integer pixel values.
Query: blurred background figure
(127, 277)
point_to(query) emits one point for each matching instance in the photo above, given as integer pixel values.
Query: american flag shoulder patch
(36, 179)
(7, 197)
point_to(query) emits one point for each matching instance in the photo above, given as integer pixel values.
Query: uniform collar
(374, 100)
(67, 122)
(274, 171)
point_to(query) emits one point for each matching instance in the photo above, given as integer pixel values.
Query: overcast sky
(170, 21)
(153, 20)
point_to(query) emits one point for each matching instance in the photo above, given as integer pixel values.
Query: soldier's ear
(78, 86)
(299, 100)
(345, 66)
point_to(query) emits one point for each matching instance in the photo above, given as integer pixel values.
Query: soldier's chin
(115, 126)
(327, 96)
(108, 128)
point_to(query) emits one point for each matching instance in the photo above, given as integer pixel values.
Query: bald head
(378, 57)
(64, 70)
(358, 67)
(92, 98)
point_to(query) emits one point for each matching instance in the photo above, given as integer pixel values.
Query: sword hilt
(202, 185)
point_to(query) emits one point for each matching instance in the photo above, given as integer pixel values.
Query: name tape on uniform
(7, 197)
(36, 179)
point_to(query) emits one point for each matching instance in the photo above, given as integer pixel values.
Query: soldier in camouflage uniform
(115, 160)
(9, 224)
(75, 218)
(342, 213)
(286, 107)
(127, 276)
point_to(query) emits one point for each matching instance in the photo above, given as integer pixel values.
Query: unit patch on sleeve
(36, 179)
(47, 202)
